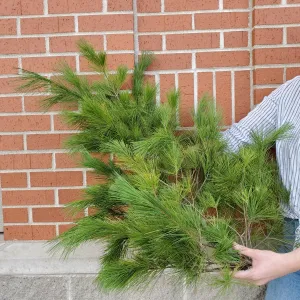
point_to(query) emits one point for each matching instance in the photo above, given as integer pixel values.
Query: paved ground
(29, 272)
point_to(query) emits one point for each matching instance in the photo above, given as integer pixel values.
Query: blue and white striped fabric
(280, 107)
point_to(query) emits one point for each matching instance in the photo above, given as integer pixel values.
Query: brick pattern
(234, 52)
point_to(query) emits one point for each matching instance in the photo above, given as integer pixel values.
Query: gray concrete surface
(29, 272)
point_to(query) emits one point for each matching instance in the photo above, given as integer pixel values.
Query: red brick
(150, 79)
(22, 45)
(113, 62)
(11, 142)
(266, 2)
(74, 6)
(106, 22)
(92, 178)
(8, 26)
(150, 42)
(119, 42)
(144, 6)
(46, 141)
(292, 72)
(28, 197)
(52, 214)
(293, 35)
(25, 161)
(186, 104)
(192, 41)
(293, 1)
(119, 5)
(164, 23)
(60, 123)
(29, 232)
(64, 228)
(10, 104)
(205, 84)
(222, 20)
(259, 94)
(47, 64)
(277, 56)
(242, 94)
(13, 180)
(268, 76)
(8, 66)
(171, 62)
(167, 83)
(15, 215)
(66, 160)
(174, 5)
(277, 16)
(9, 85)
(222, 59)
(34, 104)
(69, 43)
(59, 178)
(236, 39)
(47, 25)
(24, 123)
(267, 36)
(223, 96)
(235, 4)
(21, 7)
(69, 195)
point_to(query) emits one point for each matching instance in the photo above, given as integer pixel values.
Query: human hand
(266, 265)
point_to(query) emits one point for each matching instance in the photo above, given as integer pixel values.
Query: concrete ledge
(28, 272)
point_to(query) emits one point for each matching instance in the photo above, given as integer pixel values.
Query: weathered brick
(8, 26)
(222, 20)
(22, 45)
(174, 5)
(222, 59)
(119, 5)
(46, 141)
(47, 64)
(52, 214)
(186, 105)
(223, 96)
(24, 123)
(192, 41)
(10, 104)
(120, 42)
(268, 76)
(56, 179)
(29, 232)
(164, 23)
(27, 197)
(242, 94)
(277, 16)
(150, 42)
(74, 6)
(13, 180)
(21, 7)
(111, 22)
(267, 36)
(25, 161)
(15, 215)
(236, 39)
(11, 142)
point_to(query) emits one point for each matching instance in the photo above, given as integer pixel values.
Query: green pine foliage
(172, 200)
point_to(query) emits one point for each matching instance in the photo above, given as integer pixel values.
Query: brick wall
(236, 50)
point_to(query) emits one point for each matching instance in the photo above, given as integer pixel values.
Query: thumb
(244, 250)
(246, 275)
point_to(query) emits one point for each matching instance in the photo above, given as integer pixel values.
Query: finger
(244, 250)
(244, 275)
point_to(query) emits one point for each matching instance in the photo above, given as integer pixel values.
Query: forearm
(292, 261)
